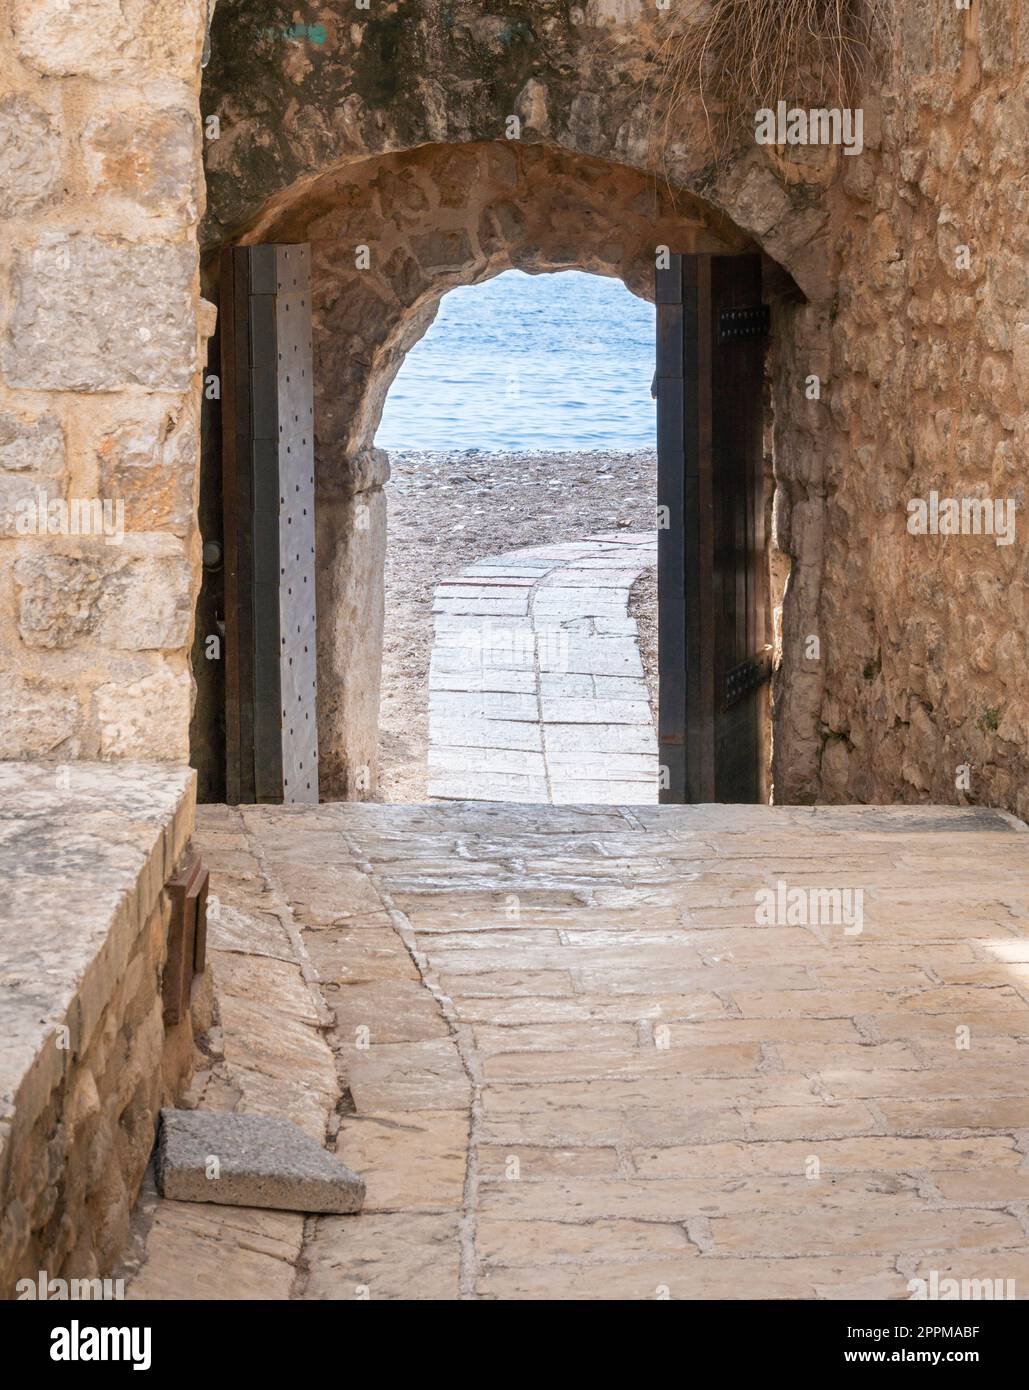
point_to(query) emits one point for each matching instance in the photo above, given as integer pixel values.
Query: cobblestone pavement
(536, 687)
(576, 1054)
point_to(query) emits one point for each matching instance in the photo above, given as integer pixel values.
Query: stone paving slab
(512, 786)
(250, 1161)
(485, 705)
(203, 1252)
(570, 667)
(452, 761)
(270, 1056)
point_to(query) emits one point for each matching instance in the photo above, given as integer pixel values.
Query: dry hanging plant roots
(739, 56)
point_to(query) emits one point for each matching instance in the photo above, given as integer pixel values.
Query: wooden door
(268, 513)
(713, 625)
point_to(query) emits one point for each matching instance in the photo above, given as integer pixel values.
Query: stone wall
(300, 90)
(87, 1061)
(99, 329)
(926, 695)
(423, 173)
(921, 640)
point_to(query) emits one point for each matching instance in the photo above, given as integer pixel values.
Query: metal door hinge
(747, 676)
(187, 936)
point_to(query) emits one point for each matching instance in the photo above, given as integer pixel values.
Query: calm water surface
(526, 362)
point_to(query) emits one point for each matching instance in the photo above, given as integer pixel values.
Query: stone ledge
(85, 1060)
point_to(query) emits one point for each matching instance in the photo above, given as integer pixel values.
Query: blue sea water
(560, 361)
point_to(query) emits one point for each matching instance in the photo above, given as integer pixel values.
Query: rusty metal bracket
(187, 936)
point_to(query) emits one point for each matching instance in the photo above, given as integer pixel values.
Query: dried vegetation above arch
(739, 56)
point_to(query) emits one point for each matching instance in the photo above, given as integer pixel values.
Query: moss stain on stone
(989, 720)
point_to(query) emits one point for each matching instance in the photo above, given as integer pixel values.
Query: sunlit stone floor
(581, 1055)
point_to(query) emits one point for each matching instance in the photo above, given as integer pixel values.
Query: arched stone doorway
(390, 235)
(429, 220)
(447, 180)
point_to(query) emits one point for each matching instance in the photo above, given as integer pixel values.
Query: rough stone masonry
(912, 259)
(101, 145)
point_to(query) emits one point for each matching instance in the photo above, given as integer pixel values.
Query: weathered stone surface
(577, 592)
(351, 543)
(122, 312)
(86, 1062)
(31, 445)
(410, 1158)
(588, 79)
(133, 603)
(19, 500)
(207, 1253)
(109, 38)
(270, 1058)
(30, 155)
(146, 718)
(32, 461)
(642, 1142)
(275, 1058)
(935, 406)
(149, 158)
(394, 1255)
(250, 1161)
(39, 719)
(442, 252)
(150, 466)
(58, 595)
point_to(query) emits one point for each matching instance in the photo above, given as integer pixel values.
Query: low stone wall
(86, 1061)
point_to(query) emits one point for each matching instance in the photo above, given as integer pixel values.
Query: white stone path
(536, 687)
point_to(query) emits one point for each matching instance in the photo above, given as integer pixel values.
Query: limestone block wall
(926, 695)
(300, 91)
(918, 691)
(99, 339)
(800, 348)
(87, 1061)
(394, 132)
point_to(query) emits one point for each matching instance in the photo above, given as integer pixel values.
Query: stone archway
(390, 236)
(317, 140)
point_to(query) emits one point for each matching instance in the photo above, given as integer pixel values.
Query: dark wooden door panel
(711, 556)
(676, 667)
(268, 488)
